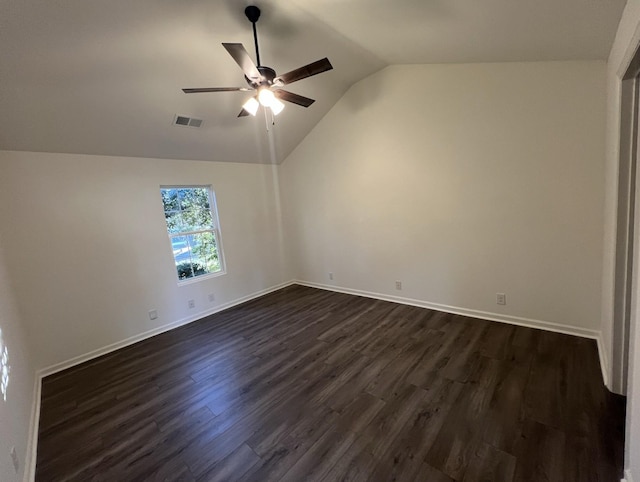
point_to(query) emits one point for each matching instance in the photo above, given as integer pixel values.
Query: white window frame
(213, 206)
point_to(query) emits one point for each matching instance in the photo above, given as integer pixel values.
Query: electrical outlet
(330, 275)
(212, 297)
(153, 314)
(192, 304)
(398, 285)
(14, 459)
(501, 299)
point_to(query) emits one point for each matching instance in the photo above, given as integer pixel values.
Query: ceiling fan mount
(253, 13)
(263, 79)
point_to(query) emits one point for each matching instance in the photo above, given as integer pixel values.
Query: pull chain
(266, 118)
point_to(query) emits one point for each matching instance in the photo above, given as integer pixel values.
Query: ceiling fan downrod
(253, 14)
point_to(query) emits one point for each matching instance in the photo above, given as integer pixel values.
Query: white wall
(625, 44)
(461, 181)
(15, 412)
(89, 253)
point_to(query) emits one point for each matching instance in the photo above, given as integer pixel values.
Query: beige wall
(15, 412)
(461, 181)
(89, 252)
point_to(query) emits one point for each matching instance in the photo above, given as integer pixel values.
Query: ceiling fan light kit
(251, 106)
(265, 96)
(276, 106)
(263, 79)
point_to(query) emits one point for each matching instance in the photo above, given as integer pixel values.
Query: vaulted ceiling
(105, 76)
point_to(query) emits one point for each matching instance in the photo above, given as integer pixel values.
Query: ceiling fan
(263, 79)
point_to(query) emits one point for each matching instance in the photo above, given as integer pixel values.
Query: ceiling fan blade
(314, 68)
(243, 113)
(215, 89)
(294, 98)
(241, 56)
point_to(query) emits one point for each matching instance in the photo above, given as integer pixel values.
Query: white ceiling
(104, 76)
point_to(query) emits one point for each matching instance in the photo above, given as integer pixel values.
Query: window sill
(196, 279)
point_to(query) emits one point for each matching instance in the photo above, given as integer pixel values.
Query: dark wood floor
(305, 384)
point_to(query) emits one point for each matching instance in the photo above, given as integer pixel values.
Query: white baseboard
(604, 361)
(32, 442)
(485, 315)
(50, 370)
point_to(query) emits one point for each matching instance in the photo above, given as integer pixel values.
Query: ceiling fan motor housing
(268, 76)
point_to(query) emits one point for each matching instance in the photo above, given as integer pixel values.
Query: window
(192, 224)
(4, 368)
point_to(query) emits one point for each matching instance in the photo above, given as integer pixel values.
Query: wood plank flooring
(305, 384)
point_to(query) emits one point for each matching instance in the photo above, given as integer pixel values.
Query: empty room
(319, 240)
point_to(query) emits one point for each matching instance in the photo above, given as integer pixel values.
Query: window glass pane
(205, 219)
(182, 256)
(174, 222)
(204, 199)
(196, 219)
(196, 255)
(170, 199)
(182, 198)
(204, 251)
(191, 198)
(212, 259)
(181, 249)
(185, 270)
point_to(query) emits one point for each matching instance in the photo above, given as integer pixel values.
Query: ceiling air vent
(184, 121)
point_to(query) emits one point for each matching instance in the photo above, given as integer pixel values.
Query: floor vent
(183, 121)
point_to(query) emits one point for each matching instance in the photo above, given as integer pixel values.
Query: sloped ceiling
(104, 76)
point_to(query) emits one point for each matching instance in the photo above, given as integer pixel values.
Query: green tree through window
(191, 217)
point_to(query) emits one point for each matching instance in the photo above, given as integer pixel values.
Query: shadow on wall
(359, 98)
